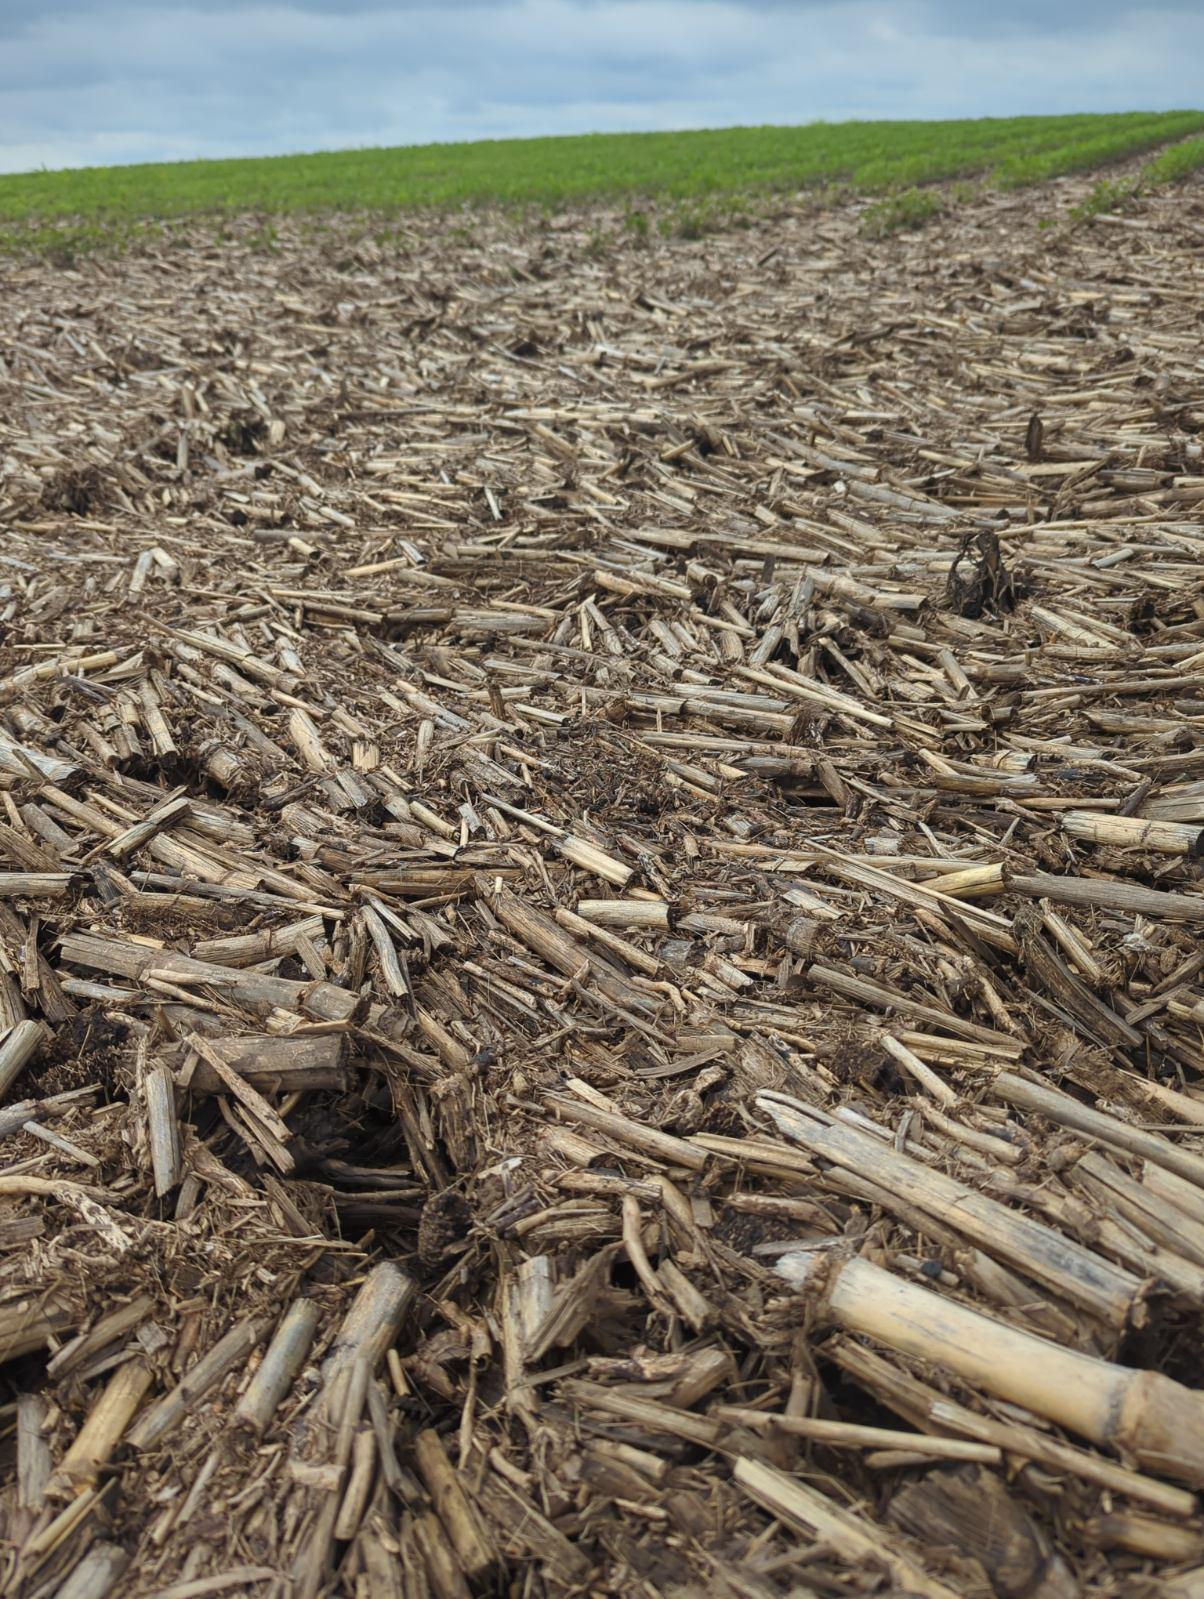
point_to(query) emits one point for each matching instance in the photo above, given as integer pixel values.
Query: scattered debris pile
(600, 971)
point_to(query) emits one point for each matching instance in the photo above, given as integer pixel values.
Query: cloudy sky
(89, 82)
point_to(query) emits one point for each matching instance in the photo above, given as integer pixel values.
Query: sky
(94, 82)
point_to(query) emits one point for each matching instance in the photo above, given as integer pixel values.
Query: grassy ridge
(1176, 162)
(869, 156)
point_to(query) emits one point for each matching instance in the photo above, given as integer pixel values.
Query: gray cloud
(95, 81)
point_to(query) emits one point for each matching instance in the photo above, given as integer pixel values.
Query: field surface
(600, 908)
(870, 157)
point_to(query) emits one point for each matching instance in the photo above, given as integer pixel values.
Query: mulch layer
(600, 903)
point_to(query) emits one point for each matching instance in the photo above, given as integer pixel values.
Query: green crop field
(869, 157)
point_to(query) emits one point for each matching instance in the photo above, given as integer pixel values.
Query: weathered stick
(866, 992)
(369, 1328)
(592, 859)
(103, 1429)
(436, 1557)
(96, 1574)
(1130, 898)
(163, 1130)
(106, 1331)
(848, 1435)
(1068, 1112)
(622, 947)
(1130, 832)
(34, 885)
(1030, 1444)
(359, 1484)
(650, 1140)
(15, 1116)
(924, 1075)
(155, 1423)
(1047, 1256)
(539, 932)
(272, 1064)
(1142, 1414)
(629, 913)
(253, 989)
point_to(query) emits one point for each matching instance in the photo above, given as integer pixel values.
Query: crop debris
(600, 906)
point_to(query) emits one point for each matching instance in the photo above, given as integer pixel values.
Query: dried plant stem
(1147, 1416)
(281, 1362)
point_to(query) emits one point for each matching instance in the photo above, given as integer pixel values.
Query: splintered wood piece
(153, 822)
(1145, 1535)
(633, 1243)
(18, 1047)
(33, 1452)
(125, 959)
(277, 1371)
(34, 885)
(162, 1128)
(853, 1540)
(289, 1064)
(649, 1415)
(975, 882)
(691, 1305)
(248, 949)
(628, 952)
(359, 1485)
(521, 1528)
(386, 954)
(877, 995)
(97, 1574)
(17, 847)
(19, 759)
(237, 1086)
(976, 1514)
(465, 1529)
(107, 1330)
(369, 1328)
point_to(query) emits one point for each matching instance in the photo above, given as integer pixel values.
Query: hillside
(872, 158)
